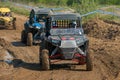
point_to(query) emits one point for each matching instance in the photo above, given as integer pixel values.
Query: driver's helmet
(54, 24)
(74, 24)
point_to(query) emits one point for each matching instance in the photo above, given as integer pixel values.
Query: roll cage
(62, 21)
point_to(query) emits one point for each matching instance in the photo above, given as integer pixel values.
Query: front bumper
(2, 23)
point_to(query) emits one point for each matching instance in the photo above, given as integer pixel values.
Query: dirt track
(104, 48)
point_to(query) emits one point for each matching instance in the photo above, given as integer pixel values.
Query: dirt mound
(5, 57)
(102, 29)
(2, 54)
(4, 65)
(4, 43)
(105, 51)
(4, 49)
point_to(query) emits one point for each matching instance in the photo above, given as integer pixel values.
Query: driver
(54, 24)
(73, 24)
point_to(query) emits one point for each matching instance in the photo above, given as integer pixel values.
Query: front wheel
(89, 65)
(14, 25)
(29, 39)
(23, 36)
(45, 61)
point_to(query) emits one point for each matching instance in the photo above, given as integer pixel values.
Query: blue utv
(33, 28)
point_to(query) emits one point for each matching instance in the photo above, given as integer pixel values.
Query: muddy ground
(104, 47)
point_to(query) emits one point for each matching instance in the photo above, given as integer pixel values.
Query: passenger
(7, 14)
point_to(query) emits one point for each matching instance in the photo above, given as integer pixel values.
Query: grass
(110, 18)
(20, 11)
(110, 9)
(117, 6)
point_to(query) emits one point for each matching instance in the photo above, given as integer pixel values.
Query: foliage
(81, 6)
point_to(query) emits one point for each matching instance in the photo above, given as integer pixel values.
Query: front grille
(67, 49)
(2, 22)
(68, 53)
(68, 44)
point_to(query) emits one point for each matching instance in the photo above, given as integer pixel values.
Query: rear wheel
(29, 39)
(23, 36)
(89, 65)
(45, 62)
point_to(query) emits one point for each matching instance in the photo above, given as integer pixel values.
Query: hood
(6, 19)
(68, 42)
(3, 10)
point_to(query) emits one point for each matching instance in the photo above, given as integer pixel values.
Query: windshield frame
(66, 31)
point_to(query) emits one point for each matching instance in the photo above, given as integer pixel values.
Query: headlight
(80, 33)
(78, 41)
(56, 41)
(37, 27)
